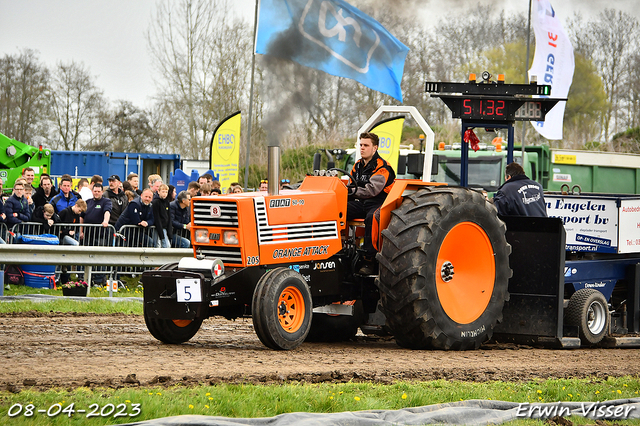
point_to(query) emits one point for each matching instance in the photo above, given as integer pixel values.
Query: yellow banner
(225, 150)
(390, 133)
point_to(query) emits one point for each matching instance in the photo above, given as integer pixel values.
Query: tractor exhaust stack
(273, 172)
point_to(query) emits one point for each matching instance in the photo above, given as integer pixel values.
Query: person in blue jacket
(66, 197)
(17, 207)
(519, 195)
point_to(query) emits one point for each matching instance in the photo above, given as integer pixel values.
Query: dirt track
(71, 350)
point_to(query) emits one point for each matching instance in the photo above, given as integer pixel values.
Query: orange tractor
(289, 260)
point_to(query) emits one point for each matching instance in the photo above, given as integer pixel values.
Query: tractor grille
(228, 214)
(226, 254)
(291, 232)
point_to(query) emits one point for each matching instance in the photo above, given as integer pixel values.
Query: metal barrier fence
(138, 236)
(88, 256)
(69, 233)
(93, 235)
(3, 231)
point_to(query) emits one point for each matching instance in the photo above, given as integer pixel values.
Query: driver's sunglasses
(285, 181)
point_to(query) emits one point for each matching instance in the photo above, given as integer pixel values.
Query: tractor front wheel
(281, 309)
(172, 331)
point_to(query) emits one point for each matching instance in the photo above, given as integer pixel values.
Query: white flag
(553, 64)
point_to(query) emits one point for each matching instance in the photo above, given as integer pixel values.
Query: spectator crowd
(89, 214)
(95, 213)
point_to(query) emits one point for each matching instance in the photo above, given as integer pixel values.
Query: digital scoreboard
(494, 101)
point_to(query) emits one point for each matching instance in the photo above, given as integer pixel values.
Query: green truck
(15, 156)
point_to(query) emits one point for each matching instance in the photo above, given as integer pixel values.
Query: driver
(373, 177)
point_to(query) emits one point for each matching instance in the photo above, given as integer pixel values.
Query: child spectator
(134, 181)
(71, 215)
(205, 189)
(162, 217)
(46, 216)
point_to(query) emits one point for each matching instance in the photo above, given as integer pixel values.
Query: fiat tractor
(289, 259)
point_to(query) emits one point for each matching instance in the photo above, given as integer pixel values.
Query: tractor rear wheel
(169, 330)
(444, 269)
(281, 309)
(588, 309)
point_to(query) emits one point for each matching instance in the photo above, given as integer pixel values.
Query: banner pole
(526, 78)
(253, 69)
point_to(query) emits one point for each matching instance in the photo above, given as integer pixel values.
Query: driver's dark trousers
(365, 209)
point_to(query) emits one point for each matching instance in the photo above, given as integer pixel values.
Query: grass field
(94, 303)
(265, 401)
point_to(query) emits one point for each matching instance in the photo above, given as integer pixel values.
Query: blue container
(39, 240)
(180, 180)
(216, 176)
(107, 163)
(38, 276)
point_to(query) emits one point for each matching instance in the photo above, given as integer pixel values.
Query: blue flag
(334, 37)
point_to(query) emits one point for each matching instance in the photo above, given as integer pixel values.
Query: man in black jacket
(373, 177)
(139, 213)
(519, 195)
(17, 208)
(181, 219)
(118, 198)
(45, 192)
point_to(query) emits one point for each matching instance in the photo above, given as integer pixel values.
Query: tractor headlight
(230, 237)
(202, 236)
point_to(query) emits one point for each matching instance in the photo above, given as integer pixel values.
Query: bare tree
(130, 129)
(203, 62)
(76, 104)
(23, 97)
(610, 41)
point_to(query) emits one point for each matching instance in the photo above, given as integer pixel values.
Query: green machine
(16, 156)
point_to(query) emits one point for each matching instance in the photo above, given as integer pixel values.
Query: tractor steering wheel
(352, 181)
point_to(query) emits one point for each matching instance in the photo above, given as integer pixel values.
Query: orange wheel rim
(291, 309)
(182, 323)
(465, 272)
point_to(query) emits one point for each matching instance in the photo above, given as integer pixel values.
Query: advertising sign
(390, 133)
(591, 224)
(225, 150)
(630, 223)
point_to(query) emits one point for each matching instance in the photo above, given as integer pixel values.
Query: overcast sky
(108, 36)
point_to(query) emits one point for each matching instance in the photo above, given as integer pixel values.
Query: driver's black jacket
(374, 180)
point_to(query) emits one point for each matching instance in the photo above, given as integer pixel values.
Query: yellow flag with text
(390, 133)
(225, 150)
